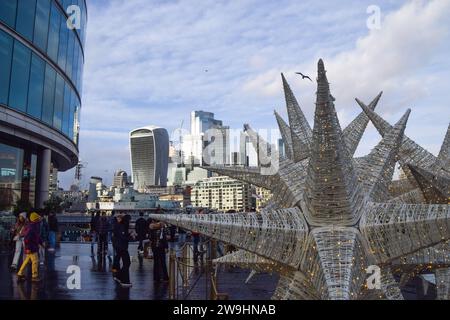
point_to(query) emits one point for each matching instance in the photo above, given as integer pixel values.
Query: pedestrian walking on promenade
(103, 227)
(95, 216)
(158, 238)
(17, 234)
(32, 240)
(141, 227)
(53, 231)
(44, 232)
(122, 238)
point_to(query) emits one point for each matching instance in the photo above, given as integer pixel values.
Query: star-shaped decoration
(330, 217)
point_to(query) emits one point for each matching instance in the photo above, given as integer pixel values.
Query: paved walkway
(97, 284)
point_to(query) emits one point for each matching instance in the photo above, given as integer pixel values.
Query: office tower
(93, 182)
(194, 144)
(41, 67)
(120, 179)
(149, 149)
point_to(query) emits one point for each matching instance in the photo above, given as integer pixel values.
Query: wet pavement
(97, 282)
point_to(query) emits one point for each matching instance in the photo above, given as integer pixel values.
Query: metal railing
(187, 267)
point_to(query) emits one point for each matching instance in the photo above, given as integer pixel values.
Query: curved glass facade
(41, 61)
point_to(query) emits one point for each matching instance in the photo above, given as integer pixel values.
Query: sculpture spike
(332, 191)
(300, 128)
(268, 156)
(435, 188)
(249, 175)
(285, 131)
(355, 130)
(410, 152)
(381, 161)
(444, 154)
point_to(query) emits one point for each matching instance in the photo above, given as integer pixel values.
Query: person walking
(122, 238)
(102, 231)
(158, 238)
(17, 233)
(53, 231)
(44, 232)
(93, 225)
(141, 227)
(32, 240)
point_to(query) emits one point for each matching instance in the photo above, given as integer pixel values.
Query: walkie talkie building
(149, 148)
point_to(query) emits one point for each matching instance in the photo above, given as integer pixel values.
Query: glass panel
(59, 101)
(72, 113)
(41, 23)
(19, 77)
(63, 38)
(25, 18)
(49, 95)
(53, 36)
(76, 123)
(6, 47)
(66, 110)
(8, 12)
(11, 165)
(36, 88)
(75, 64)
(70, 54)
(33, 176)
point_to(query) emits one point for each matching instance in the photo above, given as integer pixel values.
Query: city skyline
(238, 73)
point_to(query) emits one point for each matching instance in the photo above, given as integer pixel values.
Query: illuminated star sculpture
(330, 216)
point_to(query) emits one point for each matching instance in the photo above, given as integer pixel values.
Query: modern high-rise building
(120, 179)
(41, 67)
(200, 137)
(149, 148)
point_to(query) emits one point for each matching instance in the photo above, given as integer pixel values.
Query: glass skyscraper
(41, 70)
(149, 149)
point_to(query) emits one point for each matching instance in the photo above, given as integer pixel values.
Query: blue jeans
(52, 239)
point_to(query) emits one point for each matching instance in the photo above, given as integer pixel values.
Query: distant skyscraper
(120, 179)
(281, 150)
(149, 148)
(195, 143)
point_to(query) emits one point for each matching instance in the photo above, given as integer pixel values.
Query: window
(49, 95)
(25, 18)
(53, 34)
(66, 110)
(59, 102)
(35, 91)
(6, 48)
(63, 38)
(8, 12)
(72, 114)
(70, 48)
(41, 24)
(20, 73)
(11, 164)
(75, 64)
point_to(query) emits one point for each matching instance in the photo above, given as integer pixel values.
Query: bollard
(172, 274)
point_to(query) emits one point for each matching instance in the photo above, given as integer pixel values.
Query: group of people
(33, 234)
(116, 229)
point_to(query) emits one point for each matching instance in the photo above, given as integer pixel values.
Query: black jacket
(121, 236)
(141, 226)
(158, 240)
(102, 226)
(52, 223)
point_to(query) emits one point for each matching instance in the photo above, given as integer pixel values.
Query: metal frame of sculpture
(333, 215)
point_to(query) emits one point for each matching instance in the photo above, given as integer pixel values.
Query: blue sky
(146, 63)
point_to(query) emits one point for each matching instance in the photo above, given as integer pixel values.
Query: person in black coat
(121, 238)
(102, 232)
(141, 227)
(158, 238)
